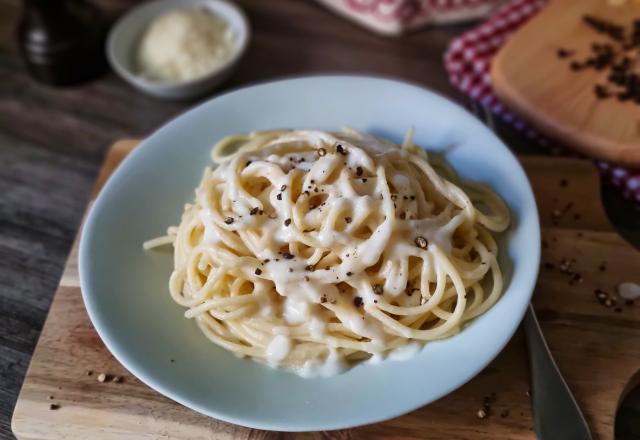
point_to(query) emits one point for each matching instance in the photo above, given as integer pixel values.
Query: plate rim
(292, 425)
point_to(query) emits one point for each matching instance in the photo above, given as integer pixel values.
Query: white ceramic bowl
(125, 36)
(125, 288)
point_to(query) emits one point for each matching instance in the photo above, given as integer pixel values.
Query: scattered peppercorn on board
(565, 73)
(75, 390)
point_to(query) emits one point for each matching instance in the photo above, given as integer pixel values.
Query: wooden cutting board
(530, 78)
(597, 348)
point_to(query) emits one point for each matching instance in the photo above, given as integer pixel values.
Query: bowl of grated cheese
(178, 49)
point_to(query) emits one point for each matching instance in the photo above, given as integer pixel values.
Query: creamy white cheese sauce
(304, 220)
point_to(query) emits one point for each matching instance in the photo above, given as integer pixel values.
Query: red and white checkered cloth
(468, 60)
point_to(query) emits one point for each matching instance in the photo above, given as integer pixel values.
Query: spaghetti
(311, 250)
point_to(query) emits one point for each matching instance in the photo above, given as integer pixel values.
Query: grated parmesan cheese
(184, 44)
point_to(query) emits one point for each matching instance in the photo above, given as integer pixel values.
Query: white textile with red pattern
(394, 17)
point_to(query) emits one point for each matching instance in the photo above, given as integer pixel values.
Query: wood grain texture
(586, 338)
(528, 76)
(39, 215)
(52, 142)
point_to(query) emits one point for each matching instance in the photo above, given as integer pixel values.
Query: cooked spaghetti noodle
(312, 250)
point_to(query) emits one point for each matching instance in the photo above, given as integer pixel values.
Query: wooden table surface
(52, 142)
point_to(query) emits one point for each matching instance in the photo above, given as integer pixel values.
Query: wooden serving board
(530, 78)
(597, 348)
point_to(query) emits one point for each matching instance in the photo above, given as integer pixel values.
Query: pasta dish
(313, 251)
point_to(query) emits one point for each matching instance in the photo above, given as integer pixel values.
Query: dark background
(52, 142)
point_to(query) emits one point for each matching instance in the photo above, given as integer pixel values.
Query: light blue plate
(125, 288)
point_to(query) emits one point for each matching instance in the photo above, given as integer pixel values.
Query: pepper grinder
(62, 41)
